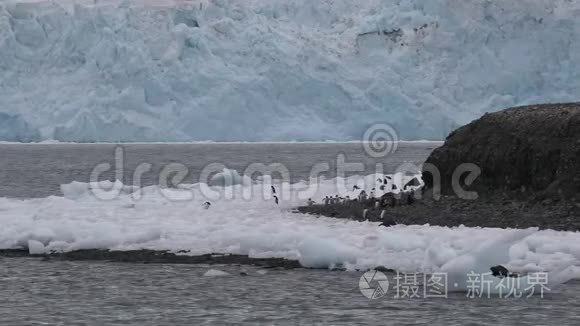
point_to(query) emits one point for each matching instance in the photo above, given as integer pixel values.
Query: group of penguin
(364, 196)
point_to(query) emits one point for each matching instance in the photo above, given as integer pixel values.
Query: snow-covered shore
(174, 220)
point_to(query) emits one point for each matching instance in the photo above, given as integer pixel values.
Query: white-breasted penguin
(362, 196)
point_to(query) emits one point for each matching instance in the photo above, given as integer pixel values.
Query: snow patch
(36, 247)
(215, 273)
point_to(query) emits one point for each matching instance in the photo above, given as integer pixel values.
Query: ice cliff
(111, 70)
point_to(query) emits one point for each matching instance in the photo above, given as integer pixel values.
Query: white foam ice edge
(174, 219)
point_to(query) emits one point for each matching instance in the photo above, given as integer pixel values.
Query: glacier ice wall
(183, 70)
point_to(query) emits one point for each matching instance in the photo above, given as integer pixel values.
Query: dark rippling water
(37, 292)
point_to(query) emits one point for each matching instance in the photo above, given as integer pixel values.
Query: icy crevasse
(108, 70)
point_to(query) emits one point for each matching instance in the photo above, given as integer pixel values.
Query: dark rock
(383, 269)
(547, 202)
(413, 183)
(534, 148)
(156, 257)
(499, 271)
(14, 253)
(451, 211)
(338, 269)
(388, 223)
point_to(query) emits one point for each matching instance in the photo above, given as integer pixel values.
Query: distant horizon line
(55, 142)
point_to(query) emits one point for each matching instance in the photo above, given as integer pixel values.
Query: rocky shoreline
(452, 212)
(154, 257)
(164, 257)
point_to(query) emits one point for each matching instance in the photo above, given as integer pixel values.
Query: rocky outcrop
(529, 164)
(531, 153)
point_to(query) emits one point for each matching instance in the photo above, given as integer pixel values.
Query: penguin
(326, 200)
(364, 214)
(337, 199)
(403, 198)
(362, 196)
(311, 202)
(276, 199)
(411, 198)
(273, 190)
(206, 205)
(355, 187)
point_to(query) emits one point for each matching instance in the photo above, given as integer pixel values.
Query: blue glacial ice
(277, 70)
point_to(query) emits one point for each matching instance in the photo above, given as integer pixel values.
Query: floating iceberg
(215, 273)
